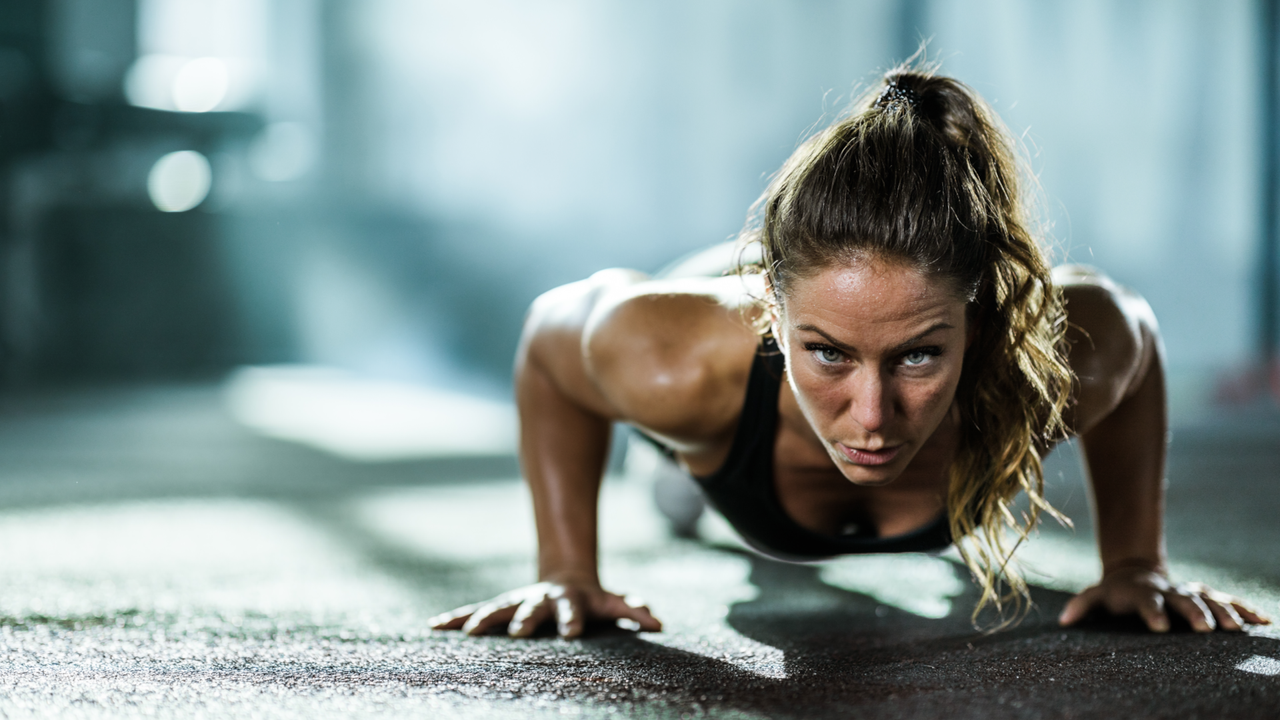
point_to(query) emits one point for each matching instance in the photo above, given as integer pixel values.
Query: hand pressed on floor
(570, 605)
(1150, 595)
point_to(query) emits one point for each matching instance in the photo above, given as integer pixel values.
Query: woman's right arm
(565, 424)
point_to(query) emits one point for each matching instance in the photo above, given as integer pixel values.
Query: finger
(1079, 606)
(488, 617)
(1193, 609)
(569, 619)
(529, 616)
(453, 619)
(1249, 614)
(1231, 602)
(1152, 611)
(448, 622)
(1223, 613)
(634, 611)
(644, 619)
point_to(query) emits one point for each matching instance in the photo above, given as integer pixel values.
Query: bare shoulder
(1113, 339)
(673, 356)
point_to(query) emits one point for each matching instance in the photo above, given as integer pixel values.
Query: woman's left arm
(1120, 416)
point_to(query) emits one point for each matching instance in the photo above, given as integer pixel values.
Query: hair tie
(893, 92)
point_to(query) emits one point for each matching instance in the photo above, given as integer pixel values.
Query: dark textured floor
(156, 560)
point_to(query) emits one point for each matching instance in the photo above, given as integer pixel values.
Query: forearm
(1125, 454)
(563, 449)
(1121, 416)
(565, 423)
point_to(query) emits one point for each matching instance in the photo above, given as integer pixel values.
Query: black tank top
(743, 489)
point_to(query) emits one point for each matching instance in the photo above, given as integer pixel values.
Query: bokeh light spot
(179, 181)
(200, 85)
(149, 82)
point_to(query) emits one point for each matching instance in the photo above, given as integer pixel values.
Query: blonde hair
(922, 170)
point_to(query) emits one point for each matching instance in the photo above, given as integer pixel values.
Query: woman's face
(874, 351)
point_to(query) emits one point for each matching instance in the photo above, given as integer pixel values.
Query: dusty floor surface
(158, 561)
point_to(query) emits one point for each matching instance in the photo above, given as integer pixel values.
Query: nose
(870, 403)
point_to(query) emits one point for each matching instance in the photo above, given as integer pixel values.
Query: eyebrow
(900, 347)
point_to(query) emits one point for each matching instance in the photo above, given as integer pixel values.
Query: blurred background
(263, 265)
(360, 198)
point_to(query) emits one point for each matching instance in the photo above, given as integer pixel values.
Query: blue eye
(916, 358)
(829, 355)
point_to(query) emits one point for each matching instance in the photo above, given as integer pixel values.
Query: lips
(882, 456)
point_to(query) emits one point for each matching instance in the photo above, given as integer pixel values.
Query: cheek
(816, 393)
(932, 397)
(924, 398)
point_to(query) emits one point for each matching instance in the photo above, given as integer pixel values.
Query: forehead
(871, 290)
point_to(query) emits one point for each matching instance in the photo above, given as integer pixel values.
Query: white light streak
(1260, 665)
(368, 420)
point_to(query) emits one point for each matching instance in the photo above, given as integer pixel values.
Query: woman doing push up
(888, 379)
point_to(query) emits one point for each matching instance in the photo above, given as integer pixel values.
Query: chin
(858, 476)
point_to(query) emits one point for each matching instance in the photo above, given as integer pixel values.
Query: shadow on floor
(855, 657)
(846, 654)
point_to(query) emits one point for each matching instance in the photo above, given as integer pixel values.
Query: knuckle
(566, 609)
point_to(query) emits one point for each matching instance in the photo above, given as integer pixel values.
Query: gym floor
(158, 559)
